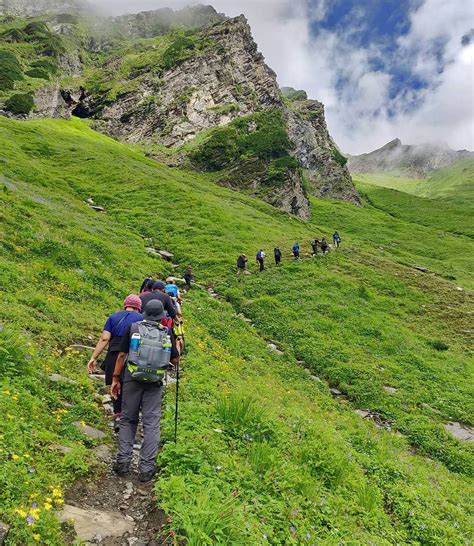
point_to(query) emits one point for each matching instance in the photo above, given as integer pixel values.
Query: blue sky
(383, 68)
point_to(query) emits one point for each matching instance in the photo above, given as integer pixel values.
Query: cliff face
(323, 164)
(415, 161)
(223, 78)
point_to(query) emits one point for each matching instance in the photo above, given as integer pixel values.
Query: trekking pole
(176, 405)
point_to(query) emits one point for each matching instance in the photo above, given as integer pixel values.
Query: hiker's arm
(101, 345)
(116, 387)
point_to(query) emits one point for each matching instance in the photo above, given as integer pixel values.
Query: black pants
(277, 260)
(260, 263)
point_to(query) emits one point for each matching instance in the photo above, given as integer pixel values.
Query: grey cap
(154, 310)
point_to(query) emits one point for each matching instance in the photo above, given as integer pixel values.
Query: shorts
(109, 366)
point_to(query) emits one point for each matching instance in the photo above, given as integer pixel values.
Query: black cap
(158, 285)
(154, 310)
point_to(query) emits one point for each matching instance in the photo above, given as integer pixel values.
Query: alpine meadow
(328, 400)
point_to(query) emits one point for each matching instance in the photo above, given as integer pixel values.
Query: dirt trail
(112, 510)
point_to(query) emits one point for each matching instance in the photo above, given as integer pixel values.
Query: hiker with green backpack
(139, 375)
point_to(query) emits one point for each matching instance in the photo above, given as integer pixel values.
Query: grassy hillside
(265, 454)
(447, 217)
(391, 181)
(453, 184)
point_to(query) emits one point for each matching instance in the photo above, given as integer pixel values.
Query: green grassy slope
(447, 217)
(455, 183)
(285, 458)
(391, 181)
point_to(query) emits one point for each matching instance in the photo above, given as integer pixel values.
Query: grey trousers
(146, 397)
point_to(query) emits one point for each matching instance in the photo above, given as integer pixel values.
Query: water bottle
(167, 345)
(135, 342)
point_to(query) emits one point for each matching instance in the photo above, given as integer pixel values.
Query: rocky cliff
(204, 93)
(415, 161)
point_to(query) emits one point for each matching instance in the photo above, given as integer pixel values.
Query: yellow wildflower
(48, 499)
(47, 506)
(27, 455)
(15, 457)
(6, 393)
(57, 492)
(83, 424)
(36, 536)
(21, 512)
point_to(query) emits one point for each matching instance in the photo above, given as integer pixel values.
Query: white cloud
(361, 114)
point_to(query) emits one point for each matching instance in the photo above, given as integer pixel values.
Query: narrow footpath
(107, 509)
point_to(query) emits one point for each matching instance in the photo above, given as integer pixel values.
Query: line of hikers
(144, 341)
(277, 253)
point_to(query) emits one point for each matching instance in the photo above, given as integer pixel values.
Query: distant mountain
(415, 161)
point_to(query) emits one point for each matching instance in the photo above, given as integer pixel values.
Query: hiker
(148, 287)
(324, 246)
(296, 251)
(314, 246)
(188, 277)
(145, 283)
(114, 329)
(336, 239)
(158, 293)
(277, 254)
(241, 264)
(145, 345)
(259, 258)
(172, 289)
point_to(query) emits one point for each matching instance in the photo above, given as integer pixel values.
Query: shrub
(438, 345)
(38, 73)
(14, 35)
(10, 70)
(21, 103)
(45, 64)
(36, 28)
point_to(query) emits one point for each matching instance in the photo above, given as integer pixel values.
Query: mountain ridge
(413, 160)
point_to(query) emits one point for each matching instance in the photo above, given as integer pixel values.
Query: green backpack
(150, 351)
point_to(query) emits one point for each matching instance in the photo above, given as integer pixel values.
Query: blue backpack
(172, 289)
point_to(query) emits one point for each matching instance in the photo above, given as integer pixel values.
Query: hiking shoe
(121, 468)
(147, 476)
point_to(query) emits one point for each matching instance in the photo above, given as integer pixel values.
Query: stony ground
(112, 510)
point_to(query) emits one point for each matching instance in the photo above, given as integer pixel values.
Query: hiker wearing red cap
(114, 329)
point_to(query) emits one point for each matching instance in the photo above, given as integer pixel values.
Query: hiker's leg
(151, 416)
(131, 401)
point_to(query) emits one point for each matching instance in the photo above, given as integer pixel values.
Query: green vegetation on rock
(21, 103)
(10, 70)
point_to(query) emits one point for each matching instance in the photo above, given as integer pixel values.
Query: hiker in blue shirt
(296, 250)
(114, 329)
(336, 239)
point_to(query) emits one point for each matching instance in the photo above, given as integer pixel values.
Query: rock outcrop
(324, 166)
(415, 161)
(224, 79)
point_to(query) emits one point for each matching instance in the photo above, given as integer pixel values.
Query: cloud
(414, 81)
